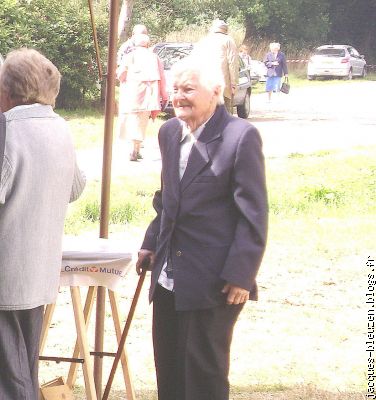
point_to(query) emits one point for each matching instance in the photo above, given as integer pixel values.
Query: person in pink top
(142, 92)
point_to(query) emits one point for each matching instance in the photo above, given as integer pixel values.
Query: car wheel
(310, 78)
(244, 109)
(364, 72)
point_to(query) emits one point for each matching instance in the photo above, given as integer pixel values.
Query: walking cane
(125, 333)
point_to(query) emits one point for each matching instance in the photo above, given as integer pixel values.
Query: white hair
(138, 29)
(208, 73)
(141, 40)
(274, 46)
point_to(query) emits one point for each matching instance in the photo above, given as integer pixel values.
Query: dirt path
(307, 120)
(317, 118)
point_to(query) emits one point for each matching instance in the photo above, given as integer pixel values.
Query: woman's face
(192, 101)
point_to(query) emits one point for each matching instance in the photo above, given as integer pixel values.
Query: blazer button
(178, 253)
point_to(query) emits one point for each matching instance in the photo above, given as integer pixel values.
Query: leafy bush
(61, 30)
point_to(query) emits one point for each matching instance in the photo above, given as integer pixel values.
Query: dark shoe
(133, 156)
(139, 156)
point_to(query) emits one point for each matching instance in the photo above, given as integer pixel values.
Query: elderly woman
(276, 65)
(39, 178)
(142, 92)
(206, 243)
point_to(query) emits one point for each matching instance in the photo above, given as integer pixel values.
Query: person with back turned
(219, 46)
(39, 178)
(207, 241)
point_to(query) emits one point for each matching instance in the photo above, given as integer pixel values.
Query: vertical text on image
(370, 342)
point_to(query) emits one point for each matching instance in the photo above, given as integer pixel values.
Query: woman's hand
(235, 294)
(145, 260)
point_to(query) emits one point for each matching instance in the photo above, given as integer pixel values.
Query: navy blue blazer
(276, 70)
(214, 221)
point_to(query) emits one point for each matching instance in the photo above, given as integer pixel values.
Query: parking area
(315, 118)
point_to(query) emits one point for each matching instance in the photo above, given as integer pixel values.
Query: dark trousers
(192, 349)
(19, 353)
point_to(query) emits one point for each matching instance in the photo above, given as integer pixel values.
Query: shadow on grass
(299, 392)
(259, 392)
(145, 394)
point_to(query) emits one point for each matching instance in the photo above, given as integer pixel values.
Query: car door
(356, 61)
(244, 83)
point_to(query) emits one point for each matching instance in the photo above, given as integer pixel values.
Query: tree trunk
(250, 29)
(125, 18)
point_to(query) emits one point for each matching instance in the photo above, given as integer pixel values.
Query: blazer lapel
(172, 158)
(203, 149)
(197, 160)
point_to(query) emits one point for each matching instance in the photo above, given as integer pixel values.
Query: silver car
(336, 61)
(258, 71)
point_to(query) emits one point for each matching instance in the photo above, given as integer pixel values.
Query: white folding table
(90, 263)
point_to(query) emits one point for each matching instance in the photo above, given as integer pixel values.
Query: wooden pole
(124, 334)
(95, 38)
(106, 182)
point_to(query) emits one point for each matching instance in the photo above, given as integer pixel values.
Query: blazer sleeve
(284, 65)
(250, 198)
(152, 232)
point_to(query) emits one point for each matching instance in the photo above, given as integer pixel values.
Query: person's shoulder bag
(2, 139)
(285, 87)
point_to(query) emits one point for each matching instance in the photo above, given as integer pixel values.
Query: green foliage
(61, 30)
(130, 206)
(322, 184)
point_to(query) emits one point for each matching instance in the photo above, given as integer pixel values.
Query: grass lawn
(305, 338)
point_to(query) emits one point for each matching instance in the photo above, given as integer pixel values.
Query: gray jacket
(38, 179)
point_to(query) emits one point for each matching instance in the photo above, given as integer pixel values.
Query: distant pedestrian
(276, 65)
(142, 92)
(244, 55)
(219, 45)
(129, 45)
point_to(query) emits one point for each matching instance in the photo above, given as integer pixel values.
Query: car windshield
(330, 52)
(170, 55)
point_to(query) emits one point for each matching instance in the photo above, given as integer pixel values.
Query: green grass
(304, 339)
(323, 184)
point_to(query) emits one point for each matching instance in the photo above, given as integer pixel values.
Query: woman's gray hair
(141, 40)
(274, 46)
(29, 77)
(207, 71)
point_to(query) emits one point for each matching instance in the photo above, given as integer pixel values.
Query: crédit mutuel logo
(94, 269)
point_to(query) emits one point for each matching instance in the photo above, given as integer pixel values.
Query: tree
(61, 30)
(353, 23)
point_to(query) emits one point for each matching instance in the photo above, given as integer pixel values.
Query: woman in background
(142, 92)
(244, 55)
(39, 178)
(276, 65)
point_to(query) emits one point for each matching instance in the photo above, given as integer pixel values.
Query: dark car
(170, 53)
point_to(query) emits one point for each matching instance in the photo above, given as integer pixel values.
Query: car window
(330, 52)
(170, 55)
(353, 52)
